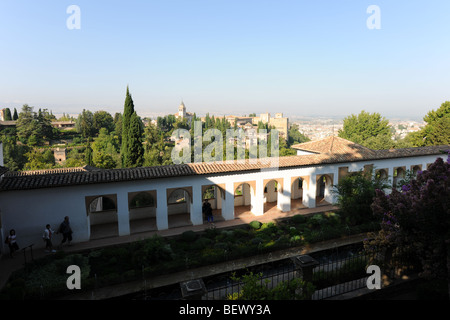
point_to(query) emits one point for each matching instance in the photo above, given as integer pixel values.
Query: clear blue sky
(226, 56)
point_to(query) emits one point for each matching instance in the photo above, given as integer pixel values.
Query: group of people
(64, 229)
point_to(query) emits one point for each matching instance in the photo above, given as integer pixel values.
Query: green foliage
(127, 112)
(85, 124)
(131, 151)
(254, 287)
(103, 119)
(38, 159)
(355, 194)
(151, 251)
(188, 236)
(135, 150)
(255, 224)
(33, 128)
(437, 130)
(370, 130)
(295, 136)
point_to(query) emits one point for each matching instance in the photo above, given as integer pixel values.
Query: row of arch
(103, 218)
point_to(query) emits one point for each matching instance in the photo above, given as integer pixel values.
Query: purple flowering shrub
(416, 219)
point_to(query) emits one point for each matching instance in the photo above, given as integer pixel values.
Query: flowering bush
(416, 219)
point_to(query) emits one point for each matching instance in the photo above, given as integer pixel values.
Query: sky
(302, 58)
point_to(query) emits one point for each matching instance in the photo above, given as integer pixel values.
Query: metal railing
(332, 278)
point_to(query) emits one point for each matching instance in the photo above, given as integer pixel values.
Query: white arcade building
(129, 201)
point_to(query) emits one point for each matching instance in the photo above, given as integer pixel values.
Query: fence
(330, 279)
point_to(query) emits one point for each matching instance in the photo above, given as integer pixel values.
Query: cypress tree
(127, 112)
(15, 115)
(88, 154)
(8, 115)
(135, 148)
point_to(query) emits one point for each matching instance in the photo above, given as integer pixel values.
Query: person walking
(12, 242)
(66, 231)
(47, 236)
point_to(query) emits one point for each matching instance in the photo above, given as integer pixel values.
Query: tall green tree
(88, 154)
(8, 116)
(135, 149)
(368, 129)
(34, 128)
(127, 113)
(103, 119)
(15, 115)
(85, 124)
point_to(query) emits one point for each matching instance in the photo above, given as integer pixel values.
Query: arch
(244, 195)
(214, 194)
(273, 189)
(324, 184)
(381, 174)
(179, 202)
(142, 199)
(142, 211)
(175, 195)
(102, 215)
(416, 169)
(399, 173)
(101, 203)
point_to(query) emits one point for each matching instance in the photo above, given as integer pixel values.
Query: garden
(155, 256)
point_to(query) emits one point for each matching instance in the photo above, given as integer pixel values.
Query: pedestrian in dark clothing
(66, 231)
(207, 210)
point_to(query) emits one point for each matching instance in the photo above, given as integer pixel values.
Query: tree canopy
(437, 129)
(368, 129)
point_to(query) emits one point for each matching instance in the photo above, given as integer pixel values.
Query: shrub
(189, 236)
(317, 220)
(201, 243)
(255, 224)
(299, 219)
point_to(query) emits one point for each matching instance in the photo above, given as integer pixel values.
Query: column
(257, 202)
(196, 205)
(162, 220)
(311, 199)
(123, 214)
(284, 197)
(228, 202)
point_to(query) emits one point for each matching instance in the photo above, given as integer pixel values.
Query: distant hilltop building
(182, 114)
(279, 122)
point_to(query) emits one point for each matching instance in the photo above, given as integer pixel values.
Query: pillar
(228, 202)
(196, 205)
(257, 202)
(162, 220)
(284, 197)
(123, 214)
(311, 192)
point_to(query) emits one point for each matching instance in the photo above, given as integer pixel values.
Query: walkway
(8, 265)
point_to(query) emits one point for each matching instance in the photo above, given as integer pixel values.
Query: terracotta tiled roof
(340, 151)
(335, 145)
